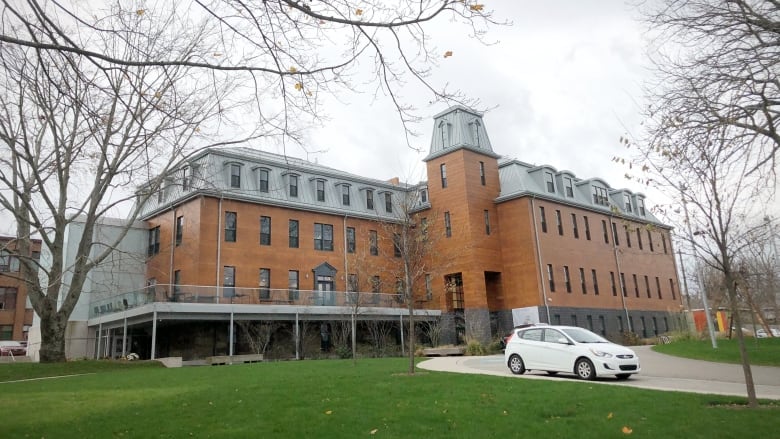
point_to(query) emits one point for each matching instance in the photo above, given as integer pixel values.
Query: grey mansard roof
(458, 127)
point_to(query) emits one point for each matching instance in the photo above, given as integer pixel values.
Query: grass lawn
(336, 399)
(761, 351)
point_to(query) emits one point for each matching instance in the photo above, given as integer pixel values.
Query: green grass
(336, 399)
(763, 351)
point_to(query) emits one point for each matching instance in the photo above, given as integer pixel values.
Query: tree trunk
(411, 336)
(52, 339)
(731, 287)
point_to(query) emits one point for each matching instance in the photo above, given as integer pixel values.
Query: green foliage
(339, 399)
(495, 347)
(475, 348)
(761, 351)
(343, 351)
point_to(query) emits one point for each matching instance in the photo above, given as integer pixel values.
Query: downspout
(539, 258)
(621, 279)
(173, 245)
(217, 282)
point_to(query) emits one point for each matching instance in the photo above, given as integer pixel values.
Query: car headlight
(601, 354)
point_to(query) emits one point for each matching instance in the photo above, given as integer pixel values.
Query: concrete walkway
(659, 372)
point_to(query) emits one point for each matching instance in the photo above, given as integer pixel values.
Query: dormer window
(262, 175)
(600, 195)
(345, 194)
(292, 184)
(549, 182)
(185, 178)
(423, 196)
(445, 132)
(370, 199)
(568, 186)
(640, 202)
(235, 175)
(388, 202)
(627, 203)
(320, 186)
(475, 129)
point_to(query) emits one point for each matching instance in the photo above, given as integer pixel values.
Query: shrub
(474, 347)
(343, 351)
(629, 338)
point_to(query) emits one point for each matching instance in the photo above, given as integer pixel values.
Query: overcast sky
(564, 80)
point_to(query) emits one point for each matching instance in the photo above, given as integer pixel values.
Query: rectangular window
(639, 237)
(482, 173)
(556, 319)
(566, 278)
(10, 263)
(447, 225)
(487, 222)
(265, 230)
(587, 227)
(428, 288)
(179, 229)
(320, 184)
(376, 284)
(627, 203)
(293, 185)
(8, 298)
(265, 283)
(293, 285)
(345, 195)
(388, 202)
(647, 287)
(650, 239)
(621, 328)
(574, 319)
(370, 199)
(641, 206)
(543, 219)
(606, 233)
(293, 233)
(185, 178)
(350, 240)
(231, 223)
(443, 170)
(595, 281)
(658, 287)
(623, 285)
(671, 288)
(396, 245)
(583, 286)
(600, 196)
(612, 282)
(550, 277)
(559, 222)
(323, 237)
(373, 243)
(423, 196)
(615, 234)
(154, 242)
(589, 319)
(549, 182)
(575, 230)
(602, 326)
(263, 180)
(628, 236)
(636, 286)
(235, 176)
(663, 241)
(229, 281)
(568, 186)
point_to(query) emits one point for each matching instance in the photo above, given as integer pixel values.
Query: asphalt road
(659, 372)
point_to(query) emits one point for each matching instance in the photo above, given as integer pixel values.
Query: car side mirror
(563, 340)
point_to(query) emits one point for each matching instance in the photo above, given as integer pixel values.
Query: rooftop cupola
(459, 127)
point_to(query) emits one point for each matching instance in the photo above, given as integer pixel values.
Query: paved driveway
(659, 372)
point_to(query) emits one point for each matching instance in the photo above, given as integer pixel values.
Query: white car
(568, 349)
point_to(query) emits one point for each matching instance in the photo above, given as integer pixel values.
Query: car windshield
(584, 336)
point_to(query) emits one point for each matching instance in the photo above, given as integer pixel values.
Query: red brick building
(15, 314)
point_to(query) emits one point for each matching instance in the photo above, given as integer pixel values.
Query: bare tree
(709, 176)
(75, 136)
(258, 333)
(289, 53)
(718, 65)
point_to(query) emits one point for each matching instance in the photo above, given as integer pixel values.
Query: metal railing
(242, 296)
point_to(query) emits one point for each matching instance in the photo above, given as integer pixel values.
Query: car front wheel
(516, 365)
(584, 369)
